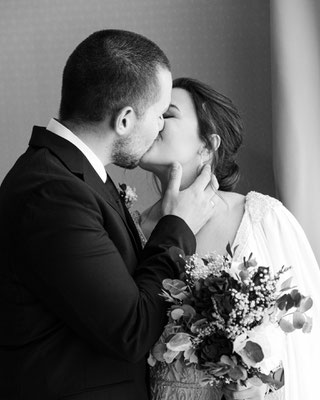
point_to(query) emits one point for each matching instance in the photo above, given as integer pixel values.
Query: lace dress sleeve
(276, 238)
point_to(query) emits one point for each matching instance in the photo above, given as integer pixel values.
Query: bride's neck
(188, 177)
(151, 216)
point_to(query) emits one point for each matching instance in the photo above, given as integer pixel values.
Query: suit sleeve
(66, 257)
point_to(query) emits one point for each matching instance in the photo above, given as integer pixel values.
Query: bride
(203, 126)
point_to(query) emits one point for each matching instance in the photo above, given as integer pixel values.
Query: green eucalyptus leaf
(254, 351)
(158, 350)
(298, 320)
(307, 327)
(286, 326)
(180, 296)
(177, 313)
(170, 355)
(151, 360)
(286, 284)
(282, 301)
(305, 304)
(179, 366)
(271, 379)
(179, 342)
(296, 297)
(190, 355)
(174, 286)
(189, 311)
(290, 302)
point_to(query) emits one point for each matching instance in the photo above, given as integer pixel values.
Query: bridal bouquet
(227, 318)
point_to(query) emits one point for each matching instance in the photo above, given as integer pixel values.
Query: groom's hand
(195, 205)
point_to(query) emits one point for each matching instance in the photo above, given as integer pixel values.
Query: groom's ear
(124, 121)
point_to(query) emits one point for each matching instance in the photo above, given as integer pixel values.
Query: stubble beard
(123, 154)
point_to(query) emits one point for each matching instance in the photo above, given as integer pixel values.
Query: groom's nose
(161, 123)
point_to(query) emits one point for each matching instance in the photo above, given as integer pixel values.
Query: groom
(80, 304)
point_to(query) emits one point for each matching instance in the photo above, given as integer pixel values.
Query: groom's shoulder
(39, 174)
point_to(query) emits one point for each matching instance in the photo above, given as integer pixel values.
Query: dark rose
(221, 284)
(213, 348)
(224, 303)
(219, 289)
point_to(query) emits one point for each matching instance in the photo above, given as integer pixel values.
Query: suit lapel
(93, 180)
(133, 227)
(125, 213)
(78, 164)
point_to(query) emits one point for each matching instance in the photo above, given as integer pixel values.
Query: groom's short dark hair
(109, 70)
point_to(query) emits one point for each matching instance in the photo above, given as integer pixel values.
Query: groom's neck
(98, 137)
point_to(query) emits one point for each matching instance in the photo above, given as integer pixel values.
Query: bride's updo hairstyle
(217, 115)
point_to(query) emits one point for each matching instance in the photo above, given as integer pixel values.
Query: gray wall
(222, 42)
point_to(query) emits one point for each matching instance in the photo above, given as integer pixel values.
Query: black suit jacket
(79, 299)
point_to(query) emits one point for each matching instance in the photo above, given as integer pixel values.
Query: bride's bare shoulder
(234, 200)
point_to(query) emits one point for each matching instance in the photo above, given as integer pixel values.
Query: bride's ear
(207, 155)
(124, 121)
(216, 141)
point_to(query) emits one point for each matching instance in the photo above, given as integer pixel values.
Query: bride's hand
(240, 392)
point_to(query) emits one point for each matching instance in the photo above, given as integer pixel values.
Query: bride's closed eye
(170, 114)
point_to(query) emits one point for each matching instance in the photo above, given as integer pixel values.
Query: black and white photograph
(159, 199)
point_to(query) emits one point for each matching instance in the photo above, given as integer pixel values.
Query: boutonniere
(128, 194)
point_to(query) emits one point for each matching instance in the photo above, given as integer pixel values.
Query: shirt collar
(57, 128)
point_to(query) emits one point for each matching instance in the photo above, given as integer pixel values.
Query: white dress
(273, 235)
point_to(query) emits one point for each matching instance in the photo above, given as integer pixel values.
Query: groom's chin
(126, 164)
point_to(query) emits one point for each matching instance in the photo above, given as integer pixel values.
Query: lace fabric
(167, 383)
(256, 207)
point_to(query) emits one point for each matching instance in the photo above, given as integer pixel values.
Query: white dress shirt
(55, 127)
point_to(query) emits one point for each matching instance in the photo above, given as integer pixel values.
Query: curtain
(295, 49)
